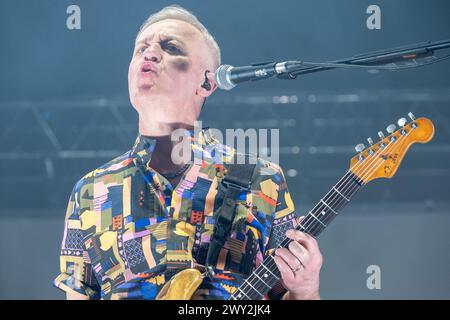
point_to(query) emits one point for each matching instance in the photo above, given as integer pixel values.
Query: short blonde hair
(179, 13)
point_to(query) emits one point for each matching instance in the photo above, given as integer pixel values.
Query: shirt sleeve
(76, 273)
(284, 218)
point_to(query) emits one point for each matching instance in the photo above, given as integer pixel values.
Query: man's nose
(153, 53)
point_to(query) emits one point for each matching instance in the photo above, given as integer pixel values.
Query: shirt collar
(143, 147)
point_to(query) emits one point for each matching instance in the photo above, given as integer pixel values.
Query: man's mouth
(148, 67)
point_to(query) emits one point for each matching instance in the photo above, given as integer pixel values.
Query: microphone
(227, 77)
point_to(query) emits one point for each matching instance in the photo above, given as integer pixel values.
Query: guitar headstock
(382, 159)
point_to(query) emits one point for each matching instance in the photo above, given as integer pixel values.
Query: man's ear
(202, 90)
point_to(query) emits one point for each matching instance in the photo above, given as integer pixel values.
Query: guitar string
(360, 163)
(305, 224)
(368, 172)
(394, 143)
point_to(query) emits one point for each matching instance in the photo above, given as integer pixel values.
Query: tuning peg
(410, 114)
(370, 141)
(401, 122)
(360, 147)
(390, 128)
(381, 134)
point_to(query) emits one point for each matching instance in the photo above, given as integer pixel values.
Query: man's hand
(299, 265)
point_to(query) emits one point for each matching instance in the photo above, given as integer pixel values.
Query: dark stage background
(64, 110)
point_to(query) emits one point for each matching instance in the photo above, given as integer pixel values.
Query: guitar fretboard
(267, 275)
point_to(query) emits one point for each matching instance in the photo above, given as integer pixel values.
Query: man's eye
(171, 48)
(141, 50)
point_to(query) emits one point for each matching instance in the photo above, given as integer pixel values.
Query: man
(139, 219)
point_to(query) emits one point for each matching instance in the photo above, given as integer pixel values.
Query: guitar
(379, 160)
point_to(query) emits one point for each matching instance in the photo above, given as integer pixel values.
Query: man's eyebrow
(163, 37)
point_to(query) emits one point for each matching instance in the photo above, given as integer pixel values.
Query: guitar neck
(267, 275)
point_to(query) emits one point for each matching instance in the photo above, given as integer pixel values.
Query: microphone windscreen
(222, 77)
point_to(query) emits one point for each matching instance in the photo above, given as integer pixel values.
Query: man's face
(167, 68)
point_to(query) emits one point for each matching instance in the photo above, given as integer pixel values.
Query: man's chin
(145, 87)
(143, 95)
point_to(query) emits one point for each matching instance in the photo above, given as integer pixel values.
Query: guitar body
(181, 286)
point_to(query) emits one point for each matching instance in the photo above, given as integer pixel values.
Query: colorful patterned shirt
(127, 230)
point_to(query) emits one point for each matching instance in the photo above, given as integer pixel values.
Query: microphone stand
(377, 60)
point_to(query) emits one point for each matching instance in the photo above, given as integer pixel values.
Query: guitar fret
(256, 275)
(269, 269)
(317, 219)
(242, 292)
(322, 212)
(348, 185)
(253, 288)
(348, 200)
(328, 206)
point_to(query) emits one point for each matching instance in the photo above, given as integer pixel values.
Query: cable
(301, 67)
(373, 67)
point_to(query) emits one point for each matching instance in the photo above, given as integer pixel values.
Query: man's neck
(159, 128)
(161, 159)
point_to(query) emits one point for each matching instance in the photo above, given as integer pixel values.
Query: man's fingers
(305, 239)
(307, 251)
(287, 256)
(286, 272)
(299, 252)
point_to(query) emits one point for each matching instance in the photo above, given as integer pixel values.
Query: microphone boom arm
(372, 60)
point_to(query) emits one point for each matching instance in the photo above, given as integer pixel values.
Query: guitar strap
(237, 180)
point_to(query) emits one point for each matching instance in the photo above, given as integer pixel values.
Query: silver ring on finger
(297, 269)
